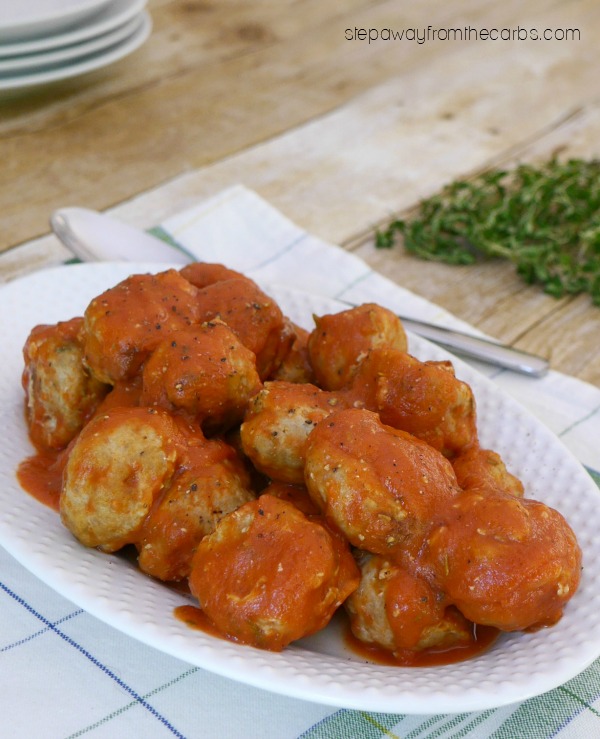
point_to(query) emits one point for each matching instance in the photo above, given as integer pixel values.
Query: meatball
(201, 274)
(296, 494)
(397, 610)
(340, 341)
(485, 470)
(295, 366)
(268, 575)
(255, 317)
(210, 482)
(423, 398)
(381, 487)
(277, 424)
(506, 562)
(60, 394)
(118, 466)
(205, 371)
(126, 323)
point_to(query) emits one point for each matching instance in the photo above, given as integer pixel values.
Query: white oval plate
(21, 19)
(319, 669)
(80, 65)
(42, 60)
(109, 17)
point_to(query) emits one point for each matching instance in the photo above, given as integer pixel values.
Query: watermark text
(423, 35)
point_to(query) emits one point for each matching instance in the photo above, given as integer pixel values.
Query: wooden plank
(179, 108)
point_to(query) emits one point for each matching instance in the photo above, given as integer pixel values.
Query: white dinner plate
(23, 19)
(321, 668)
(110, 16)
(80, 64)
(43, 60)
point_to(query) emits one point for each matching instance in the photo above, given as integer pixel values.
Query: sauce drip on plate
(41, 476)
(483, 638)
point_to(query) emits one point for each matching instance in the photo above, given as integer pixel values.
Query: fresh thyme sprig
(545, 219)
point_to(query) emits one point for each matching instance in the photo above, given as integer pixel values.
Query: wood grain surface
(340, 134)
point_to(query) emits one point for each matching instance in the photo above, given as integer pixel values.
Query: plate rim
(49, 20)
(114, 14)
(30, 63)
(86, 64)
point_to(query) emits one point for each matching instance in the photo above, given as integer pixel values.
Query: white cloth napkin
(65, 674)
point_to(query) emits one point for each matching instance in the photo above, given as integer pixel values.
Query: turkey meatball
(117, 468)
(397, 610)
(381, 487)
(201, 274)
(506, 562)
(340, 341)
(60, 394)
(210, 482)
(268, 576)
(296, 366)
(484, 469)
(424, 398)
(255, 317)
(126, 323)
(277, 424)
(205, 371)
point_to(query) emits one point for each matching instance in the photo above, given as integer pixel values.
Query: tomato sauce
(483, 638)
(41, 476)
(195, 618)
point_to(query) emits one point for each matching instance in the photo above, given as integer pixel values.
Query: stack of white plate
(46, 40)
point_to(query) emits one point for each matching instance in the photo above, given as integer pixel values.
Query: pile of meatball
(283, 473)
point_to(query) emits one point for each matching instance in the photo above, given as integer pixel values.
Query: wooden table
(340, 134)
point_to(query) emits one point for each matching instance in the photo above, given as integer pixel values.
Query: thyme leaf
(544, 219)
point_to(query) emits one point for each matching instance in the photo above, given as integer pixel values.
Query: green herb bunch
(546, 220)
